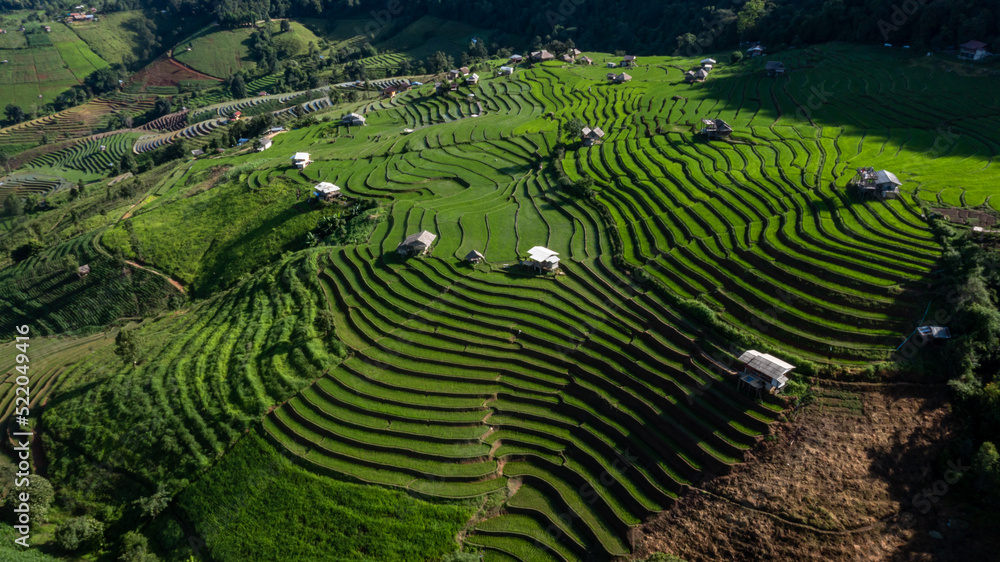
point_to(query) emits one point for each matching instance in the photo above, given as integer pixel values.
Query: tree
(986, 465)
(135, 548)
(440, 61)
(735, 56)
(324, 321)
(42, 495)
(80, 533)
(14, 113)
(5, 160)
(573, 128)
(238, 87)
(13, 206)
(127, 346)
(127, 163)
(750, 16)
(162, 106)
(285, 26)
(685, 41)
(155, 504)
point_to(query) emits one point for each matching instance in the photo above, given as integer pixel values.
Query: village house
(612, 65)
(474, 79)
(197, 152)
(326, 191)
(585, 60)
(709, 62)
(354, 119)
(265, 144)
(505, 71)
(474, 257)
(715, 128)
(972, 50)
(542, 259)
(629, 61)
(300, 160)
(755, 51)
(700, 75)
(515, 59)
(774, 68)
(403, 87)
(763, 372)
(464, 70)
(542, 56)
(566, 58)
(389, 92)
(237, 115)
(933, 333)
(416, 244)
(453, 87)
(882, 184)
(453, 74)
(591, 136)
(618, 78)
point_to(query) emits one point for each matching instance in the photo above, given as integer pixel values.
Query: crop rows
(89, 156)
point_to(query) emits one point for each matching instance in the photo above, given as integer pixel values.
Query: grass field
(242, 504)
(221, 53)
(35, 75)
(111, 37)
(599, 395)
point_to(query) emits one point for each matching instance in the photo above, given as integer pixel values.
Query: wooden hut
(416, 244)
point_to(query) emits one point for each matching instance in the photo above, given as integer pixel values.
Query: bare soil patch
(837, 482)
(968, 216)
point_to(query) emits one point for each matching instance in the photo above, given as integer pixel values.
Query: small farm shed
(882, 184)
(707, 61)
(933, 333)
(566, 58)
(543, 55)
(756, 51)
(515, 59)
(505, 71)
(585, 60)
(474, 79)
(464, 70)
(353, 119)
(453, 74)
(972, 50)
(618, 78)
(301, 160)
(591, 136)
(542, 259)
(197, 152)
(629, 61)
(475, 256)
(326, 191)
(389, 92)
(763, 372)
(265, 144)
(416, 244)
(715, 128)
(774, 68)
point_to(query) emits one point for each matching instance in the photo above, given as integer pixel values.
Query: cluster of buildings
(81, 16)
(701, 73)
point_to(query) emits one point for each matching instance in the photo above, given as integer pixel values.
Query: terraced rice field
(59, 301)
(24, 184)
(593, 397)
(79, 121)
(93, 157)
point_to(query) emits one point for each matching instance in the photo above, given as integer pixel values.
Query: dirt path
(173, 282)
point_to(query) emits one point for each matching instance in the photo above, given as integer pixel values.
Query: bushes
(80, 533)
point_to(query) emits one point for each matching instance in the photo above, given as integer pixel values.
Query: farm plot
(93, 157)
(35, 75)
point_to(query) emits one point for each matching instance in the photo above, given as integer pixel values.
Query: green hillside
(222, 53)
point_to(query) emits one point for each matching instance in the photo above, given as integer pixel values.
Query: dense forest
(644, 27)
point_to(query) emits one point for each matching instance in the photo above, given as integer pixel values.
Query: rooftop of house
(424, 237)
(301, 156)
(765, 364)
(973, 45)
(326, 187)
